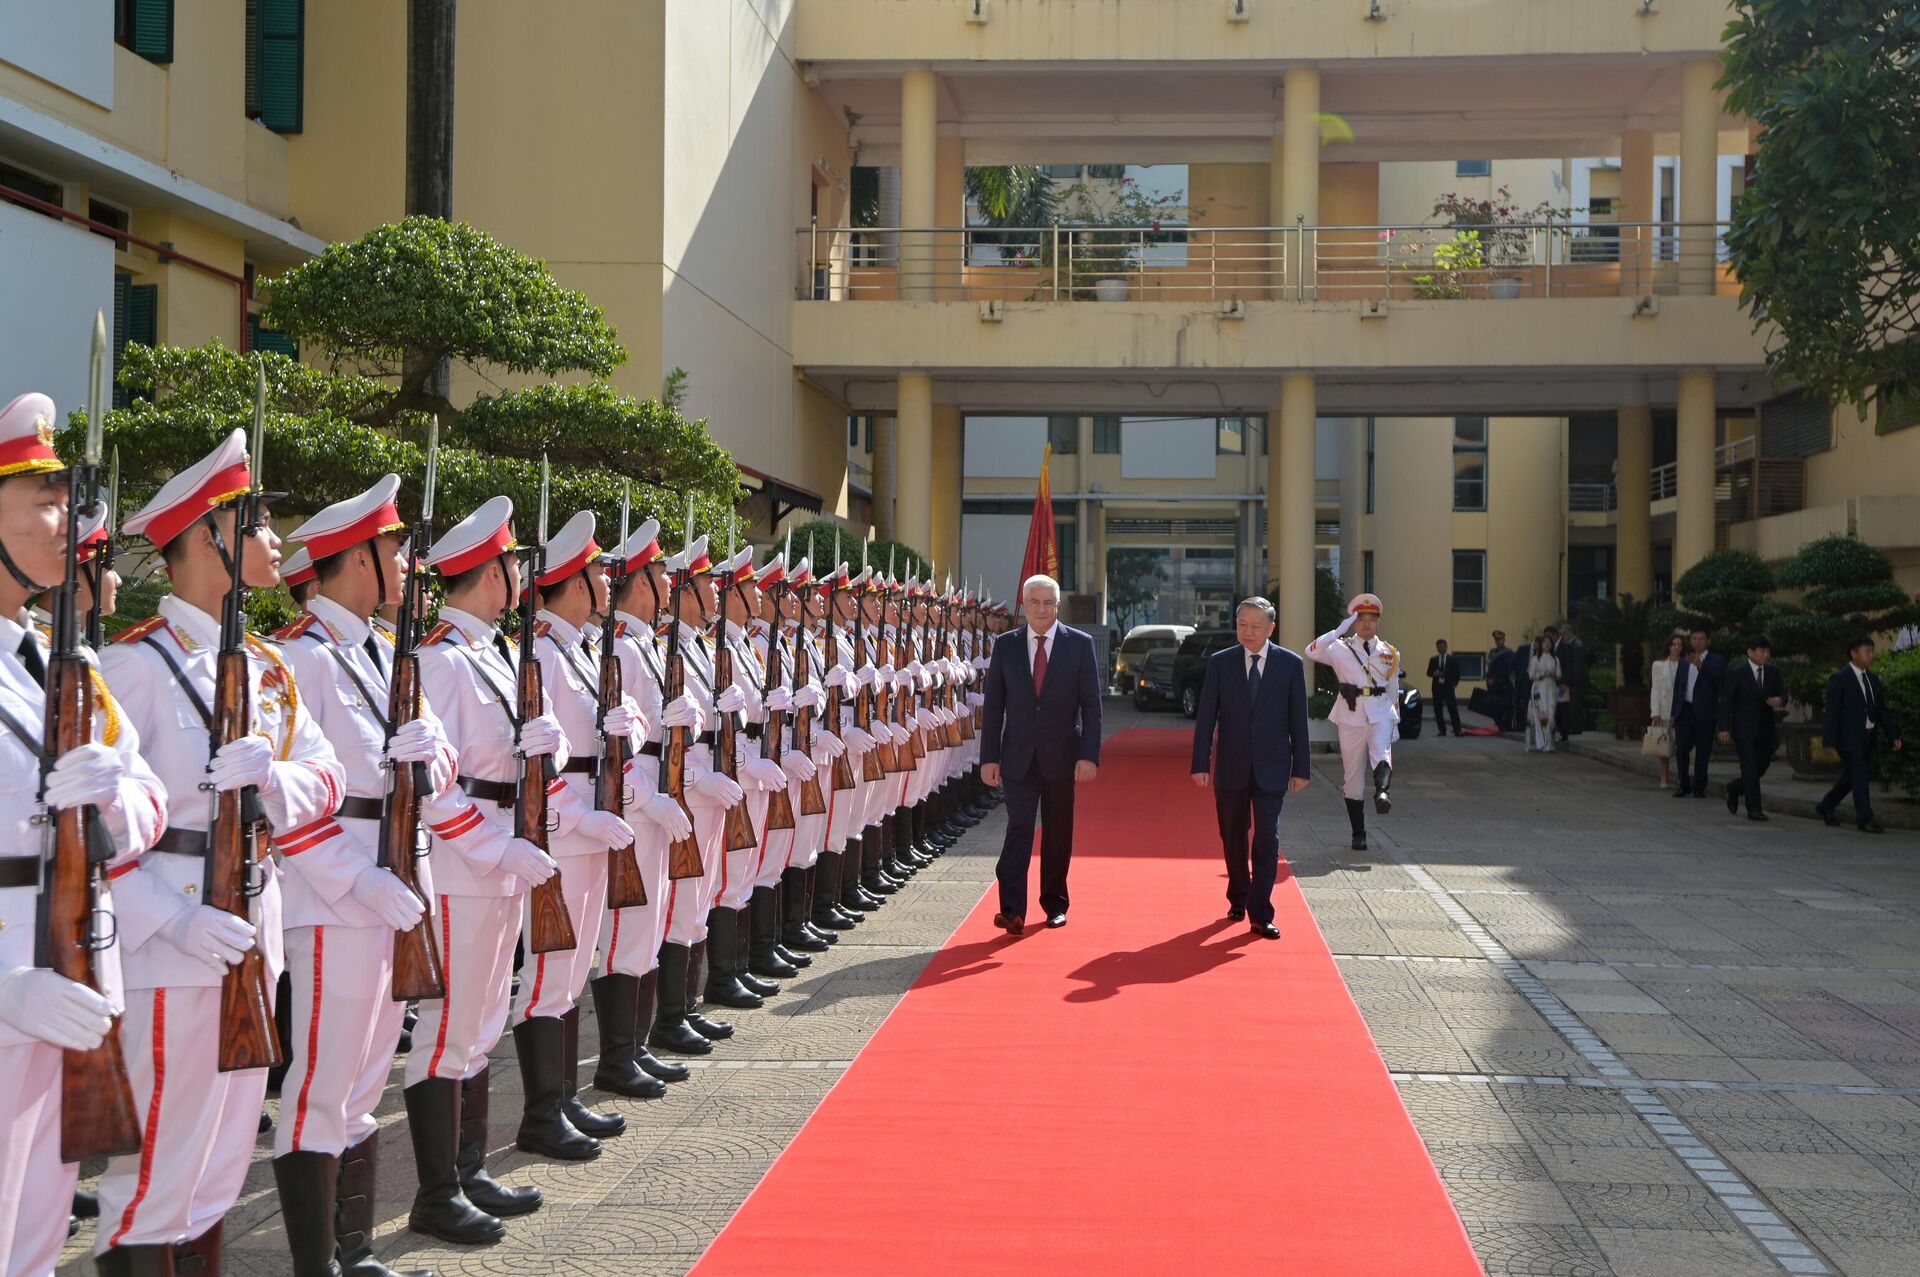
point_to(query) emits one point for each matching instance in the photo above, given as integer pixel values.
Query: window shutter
(269, 340)
(152, 34)
(280, 64)
(122, 286)
(1795, 425)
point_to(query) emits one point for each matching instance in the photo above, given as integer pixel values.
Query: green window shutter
(136, 318)
(270, 340)
(280, 64)
(152, 34)
(122, 286)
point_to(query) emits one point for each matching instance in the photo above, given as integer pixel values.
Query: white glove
(214, 936)
(867, 676)
(86, 775)
(682, 711)
(539, 736)
(621, 720)
(527, 862)
(765, 773)
(798, 765)
(976, 699)
(716, 789)
(832, 743)
(925, 720)
(415, 742)
(890, 733)
(731, 700)
(906, 681)
(836, 677)
(916, 669)
(807, 697)
(388, 898)
(779, 701)
(46, 1005)
(243, 762)
(857, 741)
(663, 811)
(605, 828)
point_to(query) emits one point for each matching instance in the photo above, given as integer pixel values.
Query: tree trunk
(430, 28)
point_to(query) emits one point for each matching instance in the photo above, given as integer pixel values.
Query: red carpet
(1149, 1090)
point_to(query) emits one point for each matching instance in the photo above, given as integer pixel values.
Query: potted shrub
(1106, 223)
(1490, 236)
(1624, 625)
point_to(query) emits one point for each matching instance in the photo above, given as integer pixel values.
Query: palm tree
(1017, 195)
(1625, 624)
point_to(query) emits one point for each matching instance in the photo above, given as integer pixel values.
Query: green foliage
(594, 426)
(1019, 195)
(863, 195)
(1620, 629)
(1133, 580)
(1826, 238)
(1724, 588)
(1329, 609)
(1900, 673)
(829, 544)
(1848, 589)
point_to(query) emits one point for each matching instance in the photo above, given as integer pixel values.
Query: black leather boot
(827, 913)
(665, 1070)
(808, 899)
(723, 987)
(585, 1120)
(795, 934)
(795, 958)
(1382, 780)
(874, 876)
(616, 1005)
(705, 1026)
(853, 896)
(1357, 817)
(743, 954)
(900, 834)
(763, 927)
(441, 1207)
(135, 1261)
(482, 1189)
(308, 1183)
(353, 1213)
(544, 1129)
(201, 1256)
(671, 1032)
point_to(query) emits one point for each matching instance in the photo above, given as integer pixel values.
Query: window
(1469, 463)
(1106, 435)
(1469, 580)
(32, 184)
(1232, 437)
(1795, 425)
(1064, 434)
(136, 315)
(145, 27)
(1473, 666)
(276, 63)
(1369, 477)
(269, 339)
(1062, 172)
(860, 433)
(109, 215)
(1473, 168)
(1896, 412)
(1366, 571)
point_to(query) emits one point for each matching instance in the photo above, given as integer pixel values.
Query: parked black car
(1190, 665)
(1152, 682)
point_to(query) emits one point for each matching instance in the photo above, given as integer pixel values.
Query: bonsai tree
(1847, 588)
(1722, 590)
(1624, 624)
(828, 543)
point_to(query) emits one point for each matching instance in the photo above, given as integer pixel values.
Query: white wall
(1004, 447)
(992, 545)
(57, 276)
(68, 43)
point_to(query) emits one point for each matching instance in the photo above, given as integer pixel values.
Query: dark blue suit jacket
(1705, 707)
(1844, 727)
(1263, 739)
(1050, 732)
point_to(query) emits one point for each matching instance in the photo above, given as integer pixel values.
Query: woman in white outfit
(1661, 705)
(1543, 670)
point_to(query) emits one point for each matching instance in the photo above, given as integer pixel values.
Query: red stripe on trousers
(760, 862)
(149, 1140)
(539, 977)
(446, 980)
(613, 942)
(313, 1035)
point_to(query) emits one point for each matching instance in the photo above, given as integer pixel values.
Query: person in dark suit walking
(1572, 655)
(1255, 693)
(1696, 706)
(1040, 737)
(1443, 669)
(1750, 694)
(1857, 715)
(1500, 680)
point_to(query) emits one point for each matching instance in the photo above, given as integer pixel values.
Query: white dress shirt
(1050, 634)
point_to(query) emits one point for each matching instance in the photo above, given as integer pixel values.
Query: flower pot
(1111, 290)
(1503, 289)
(1631, 707)
(1808, 754)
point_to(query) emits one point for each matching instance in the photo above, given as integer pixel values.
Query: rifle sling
(360, 684)
(27, 738)
(505, 701)
(198, 701)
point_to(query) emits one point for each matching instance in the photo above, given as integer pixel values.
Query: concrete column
(1293, 182)
(1353, 501)
(950, 214)
(1693, 470)
(884, 435)
(1290, 501)
(1097, 580)
(1633, 534)
(944, 500)
(913, 462)
(919, 204)
(1636, 205)
(1699, 163)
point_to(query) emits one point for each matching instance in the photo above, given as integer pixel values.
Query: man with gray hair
(1041, 736)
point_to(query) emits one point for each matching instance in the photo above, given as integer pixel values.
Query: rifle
(625, 890)
(551, 924)
(97, 1117)
(740, 834)
(683, 857)
(102, 562)
(417, 972)
(979, 648)
(872, 767)
(248, 1039)
(812, 801)
(890, 759)
(951, 732)
(779, 804)
(842, 769)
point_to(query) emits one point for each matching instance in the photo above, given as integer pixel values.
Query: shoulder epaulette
(385, 636)
(45, 631)
(297, 628)
(542, 628)
(438, 634)
(134, 633)
(619, 629)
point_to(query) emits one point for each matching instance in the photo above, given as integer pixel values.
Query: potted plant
(1624, 624)
(1106, 223)
(1492, 236)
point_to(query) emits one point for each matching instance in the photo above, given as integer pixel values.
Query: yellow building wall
(347, 167)
(1861, 463)
(194, 307)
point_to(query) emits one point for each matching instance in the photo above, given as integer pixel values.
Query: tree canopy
(1826, 238)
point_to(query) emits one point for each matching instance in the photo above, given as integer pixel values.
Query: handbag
(1656, 743)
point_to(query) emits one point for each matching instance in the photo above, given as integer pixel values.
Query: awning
(786, 497)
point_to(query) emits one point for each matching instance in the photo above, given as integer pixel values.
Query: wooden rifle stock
(551, 926)
(740, 834)
(625, 889)
(872, 765)
(779, 803)
(812, 801)
(683, 857)
(842, 769)
(248, 1039)
(417, 972)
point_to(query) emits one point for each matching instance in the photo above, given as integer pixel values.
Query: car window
(1192, 644)
(1135, 645)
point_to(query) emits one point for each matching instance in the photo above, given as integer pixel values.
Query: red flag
(1043, 547)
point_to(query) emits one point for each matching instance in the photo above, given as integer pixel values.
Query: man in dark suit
(1696, 705)
(1499, 680)
(1750, 695)
(1572, 655)
(1857, 714)
(1443, 669)
(1519, 689)
(1256, 693)
(1040, 737)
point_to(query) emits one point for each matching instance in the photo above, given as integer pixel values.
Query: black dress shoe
(1359, 842)
(1057, 921)
(1733, 801)
(1265, 930)
(1009, 923)
(1871, 827)
(1681, 793)
(1757, 815)
(1828, 818)
(1236, 914)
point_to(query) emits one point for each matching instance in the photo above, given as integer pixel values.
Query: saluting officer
(341, 907)
(1367, 709)
(200, 1122)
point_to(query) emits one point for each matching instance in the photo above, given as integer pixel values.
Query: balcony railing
(1590, 498)
(1263, 263)
(1726, 455)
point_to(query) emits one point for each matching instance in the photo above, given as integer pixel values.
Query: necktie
(1039, 663)
(1253, 679)
(30, 659)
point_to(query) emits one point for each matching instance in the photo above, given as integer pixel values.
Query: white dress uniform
(1369, 725)
(810, 831)
(749, 676)
(689, 899)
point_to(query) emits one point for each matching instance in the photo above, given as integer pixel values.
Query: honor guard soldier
(1367, 708)
(546, 1014)
(481, 875)
(44, 1014)
(769, 910)
(297, 574)
(827, 915)
(800, 930)
(625, 993)
(855, 679)
(342, 906)
(201, 1121)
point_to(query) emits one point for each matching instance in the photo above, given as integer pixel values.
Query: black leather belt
(588, 764)
(1351, 690)
(753, 730)
(19, 871)
(183, 842)
(501, 792)
(652, 749)
(357, 808)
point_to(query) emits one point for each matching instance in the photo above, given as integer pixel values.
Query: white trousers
(743, 867)
(630, 938)
(1361, 746)
(345, 1024)
(843, 812)
(36, 1187)
(689, 899)
(777, 845)
(453, 1034)
(550, 983)
(199, 1123)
